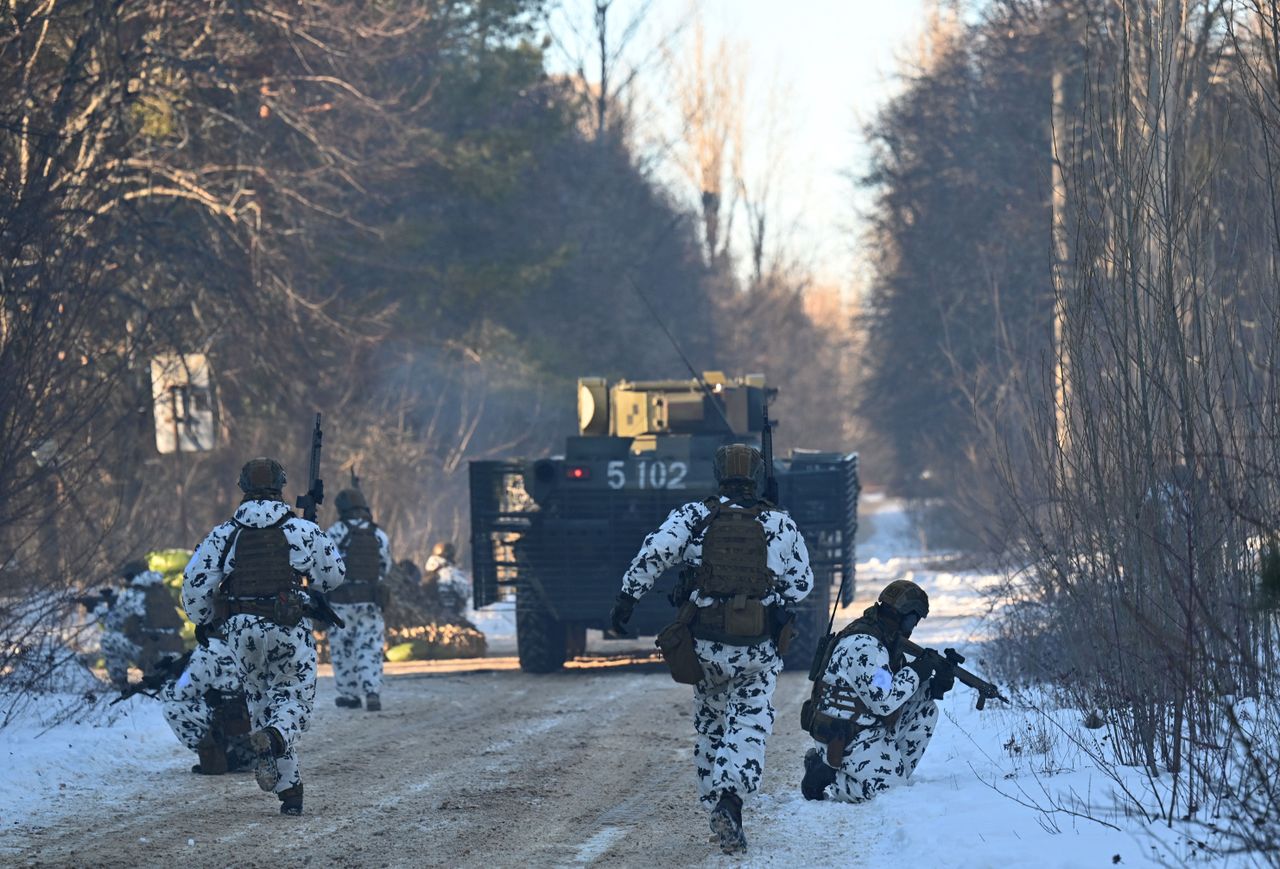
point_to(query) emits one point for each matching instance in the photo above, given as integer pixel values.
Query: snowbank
(51, 772)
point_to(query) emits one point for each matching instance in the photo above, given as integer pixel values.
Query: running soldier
(142, 624)
(206, 709)
(876, 712)
(247, 574)
(748, 561)
(453, 586)
(356, 650)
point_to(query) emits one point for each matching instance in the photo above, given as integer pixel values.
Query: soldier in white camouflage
(746, 562)
(357, 649)
(452, 585)
(207, 710)
(875, 711)
(141, 626)
(247, 574)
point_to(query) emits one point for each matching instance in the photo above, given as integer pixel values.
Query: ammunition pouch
(836, 733)
(738, 621)
(676, 643)
(284, 608)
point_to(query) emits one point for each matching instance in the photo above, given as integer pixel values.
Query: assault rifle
(986, 690)
(167, 669)
(315, 605)
(770, 492)
(314, 496)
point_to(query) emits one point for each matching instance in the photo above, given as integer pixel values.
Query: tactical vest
(156, 633)
(735, 573)
(735, 554)
(361, 553)
(827, 697)
(263, 581)
(161, 613)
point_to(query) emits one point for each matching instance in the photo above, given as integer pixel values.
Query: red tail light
(578, 473)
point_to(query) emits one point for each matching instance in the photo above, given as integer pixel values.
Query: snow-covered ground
(997, 788)
(497, 622)
(1004, 787)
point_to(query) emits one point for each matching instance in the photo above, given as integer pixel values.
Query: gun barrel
(982, 686)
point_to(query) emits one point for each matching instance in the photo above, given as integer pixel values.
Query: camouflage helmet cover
(739, 462)
(904, 597)
(262, 476)
(444, 550)
(351, 501)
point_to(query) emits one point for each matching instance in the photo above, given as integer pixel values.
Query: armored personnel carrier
(562, 530)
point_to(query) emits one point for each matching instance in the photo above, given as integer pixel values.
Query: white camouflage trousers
(356, 650)
(183, 700)
(118, 652)
(879, 758)
(276, 668)
(733, 714)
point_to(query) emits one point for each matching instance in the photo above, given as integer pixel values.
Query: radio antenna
(706, 390)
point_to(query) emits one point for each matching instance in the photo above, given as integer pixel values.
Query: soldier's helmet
(130, 569)
(262, 478)
(444, 550)
(739, 463)
(904, 597)
(351, 503)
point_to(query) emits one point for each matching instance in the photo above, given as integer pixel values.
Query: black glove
(926, 663)
(621, 612)
(943, 679)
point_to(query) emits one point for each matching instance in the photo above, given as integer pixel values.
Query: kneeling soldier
(141, 626)
(875, 712)
(356, 650)
(206, 709)
(748, 561)
(247, 573)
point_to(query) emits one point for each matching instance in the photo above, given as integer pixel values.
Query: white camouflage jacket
(674, 542)
(861, 662)
(339, 530)
(311, 553)
(131, 601)
(452, 581)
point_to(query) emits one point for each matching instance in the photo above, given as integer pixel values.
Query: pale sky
(837, 60)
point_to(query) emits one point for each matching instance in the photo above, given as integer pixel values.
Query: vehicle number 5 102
(649, 474)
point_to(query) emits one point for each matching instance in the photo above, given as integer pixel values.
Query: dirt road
(472, 768)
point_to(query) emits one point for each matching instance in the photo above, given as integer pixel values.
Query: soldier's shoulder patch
(882, 679)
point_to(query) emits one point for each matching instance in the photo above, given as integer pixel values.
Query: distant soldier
(141, 625)
(247, 574)
(356, 650)
(876, 711)
(748, 562)
(453, 586)
(207, 710)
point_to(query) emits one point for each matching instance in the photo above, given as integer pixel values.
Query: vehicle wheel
(540, 639)
(575, 640)
(811, 625)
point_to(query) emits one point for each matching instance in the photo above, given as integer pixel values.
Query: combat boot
(817, 775)
(268, 744)
(726, 823)
(213, 759)
(347, 702)
(373, 703)
(291, 800)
